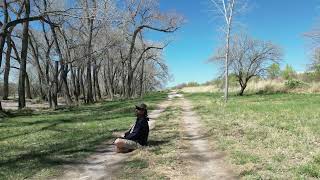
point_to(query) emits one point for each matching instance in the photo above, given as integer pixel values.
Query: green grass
(36, 145)
(273, 136)
(162, 158)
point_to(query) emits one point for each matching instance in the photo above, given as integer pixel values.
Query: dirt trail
(205, 163)
(105, 162)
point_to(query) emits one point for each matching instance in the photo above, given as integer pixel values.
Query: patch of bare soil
(205, 163)
(104, 162)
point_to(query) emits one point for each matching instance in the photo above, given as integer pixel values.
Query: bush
(293, 84)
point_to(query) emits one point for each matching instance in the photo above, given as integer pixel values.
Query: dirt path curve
(104, 162)
(205, 163)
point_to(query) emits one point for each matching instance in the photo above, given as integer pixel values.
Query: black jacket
(140, 132)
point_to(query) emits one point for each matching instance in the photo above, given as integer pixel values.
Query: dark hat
(141, 106)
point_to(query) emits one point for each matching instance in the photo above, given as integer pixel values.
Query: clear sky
(281, 21)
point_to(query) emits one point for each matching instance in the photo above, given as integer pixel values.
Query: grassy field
(265, 136)
(162, 158)
(36, 145)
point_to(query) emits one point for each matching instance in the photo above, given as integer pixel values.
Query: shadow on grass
(39, 142)
(53, 124)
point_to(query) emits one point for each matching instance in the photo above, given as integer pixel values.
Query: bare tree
(249, 58)
(142, 14)
(227, 9)
(24, 53)
(79, 50)
(314, 37)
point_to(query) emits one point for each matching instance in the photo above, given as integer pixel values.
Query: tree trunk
(105, 79)
(129, 81)
(48, 85)
(3, 36)
(24, 54)
(77, 89)
(49, 95)
(35, 54)
(229, 25)
(89, 77)
(82, 86)
(89, 84)
(28, 89)
(226, 88)
(2, 42)
(109, 79)
(7, 69)
(55, 85)
(97, 85)
(64, 69)
(94, 83)
(243, 87)
(123, 79)
(141, 79)
(63, 77)
(74, 83)
(42, 94)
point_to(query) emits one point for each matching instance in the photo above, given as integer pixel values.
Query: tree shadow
(61, 141)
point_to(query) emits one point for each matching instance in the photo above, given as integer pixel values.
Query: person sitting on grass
(138, 134)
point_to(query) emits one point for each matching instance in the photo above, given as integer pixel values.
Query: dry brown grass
(211, 88)
(261, 86)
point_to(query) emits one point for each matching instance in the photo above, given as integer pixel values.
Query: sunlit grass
(36, 145)
(265, 136)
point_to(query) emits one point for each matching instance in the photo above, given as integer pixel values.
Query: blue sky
(281, 21)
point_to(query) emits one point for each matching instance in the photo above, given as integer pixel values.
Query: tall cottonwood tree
(144, 15)
(77, 50)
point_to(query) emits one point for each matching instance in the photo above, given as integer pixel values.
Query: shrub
(293, 84)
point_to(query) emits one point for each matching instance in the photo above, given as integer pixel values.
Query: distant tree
(315, 65)
(249, 58)
(288, 72)
(274, 71)
(314, 37)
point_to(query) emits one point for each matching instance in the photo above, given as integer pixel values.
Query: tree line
(82, 50)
